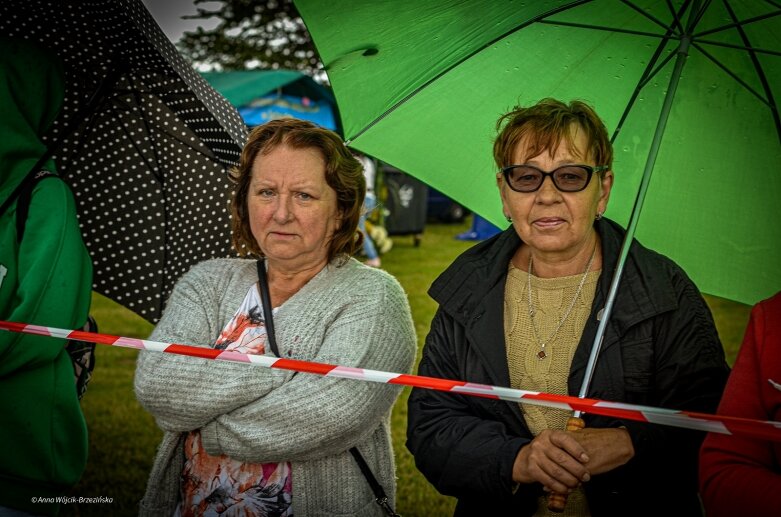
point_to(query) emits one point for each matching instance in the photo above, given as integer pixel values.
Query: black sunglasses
(567, 178)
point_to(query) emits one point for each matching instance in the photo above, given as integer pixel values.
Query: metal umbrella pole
(683, 50)
(557, 502)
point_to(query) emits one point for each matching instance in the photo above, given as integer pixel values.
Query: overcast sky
(168, 15)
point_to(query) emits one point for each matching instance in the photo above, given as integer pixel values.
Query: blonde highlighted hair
(545, 124)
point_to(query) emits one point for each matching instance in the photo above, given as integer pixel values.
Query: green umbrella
(689, 88)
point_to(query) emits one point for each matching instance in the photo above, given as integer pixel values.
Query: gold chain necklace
(541, 354)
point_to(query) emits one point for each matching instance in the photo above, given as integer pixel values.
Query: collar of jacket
(471, 291)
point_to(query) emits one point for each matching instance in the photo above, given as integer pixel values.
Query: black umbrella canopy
(143, 141)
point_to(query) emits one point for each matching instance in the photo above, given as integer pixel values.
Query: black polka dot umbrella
(147, 157)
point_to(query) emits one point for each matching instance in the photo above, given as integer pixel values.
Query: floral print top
(219, 485)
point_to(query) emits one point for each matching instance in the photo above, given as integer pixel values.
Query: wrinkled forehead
(572, 143)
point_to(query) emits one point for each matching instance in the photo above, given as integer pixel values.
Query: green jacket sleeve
(52, 274)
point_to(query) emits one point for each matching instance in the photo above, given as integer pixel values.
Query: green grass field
(123, 437)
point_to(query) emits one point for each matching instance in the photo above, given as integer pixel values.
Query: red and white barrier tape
(765, 430)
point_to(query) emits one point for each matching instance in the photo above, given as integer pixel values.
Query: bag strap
(30, 178)
(23, 194)
(268, 315)
(379, 494)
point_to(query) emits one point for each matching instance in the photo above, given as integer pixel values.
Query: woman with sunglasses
(522, 309)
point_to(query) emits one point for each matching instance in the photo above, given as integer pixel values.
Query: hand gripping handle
(557, 502)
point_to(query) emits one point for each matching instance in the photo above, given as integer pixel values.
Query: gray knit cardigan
(349, 315)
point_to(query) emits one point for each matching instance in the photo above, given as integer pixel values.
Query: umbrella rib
(644, 81)
(159, 177)
(87, 127)
(740, 47)
(675, 16)
(738, 23)
(698, 16)
(120, 103)
(733, 75)
(648, 74)
(602, 28)
(430, 81)
(760, 71)
(652, 18)
(85, 114)
(128, 108)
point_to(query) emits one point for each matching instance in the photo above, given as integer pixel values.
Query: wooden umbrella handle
(557, 502)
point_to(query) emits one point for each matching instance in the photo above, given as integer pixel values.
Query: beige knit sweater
(551, 298)
(351, 315)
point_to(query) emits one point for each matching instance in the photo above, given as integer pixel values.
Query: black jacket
(660, 349)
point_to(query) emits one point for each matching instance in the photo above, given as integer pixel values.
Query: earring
(509, 219)
(599, 216)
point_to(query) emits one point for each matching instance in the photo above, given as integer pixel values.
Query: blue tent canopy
(263, 95)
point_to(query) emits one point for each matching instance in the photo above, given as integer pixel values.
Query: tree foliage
(251, 34)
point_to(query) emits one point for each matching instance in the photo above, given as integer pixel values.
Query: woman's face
(292, 210)
(551, 221)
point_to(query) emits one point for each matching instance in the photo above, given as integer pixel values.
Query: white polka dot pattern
(148, 167)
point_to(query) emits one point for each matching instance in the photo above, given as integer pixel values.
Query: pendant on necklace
(541, 354)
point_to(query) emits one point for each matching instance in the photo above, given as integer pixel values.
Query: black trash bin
(405, 204)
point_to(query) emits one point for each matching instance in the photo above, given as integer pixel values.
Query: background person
(740, 476)
(522, 309)
(45, 279)
(369, 204)
(273, 442)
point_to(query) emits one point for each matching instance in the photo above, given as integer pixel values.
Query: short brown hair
(343, 173)
(545, 124)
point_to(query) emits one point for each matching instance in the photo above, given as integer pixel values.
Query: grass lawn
(123, 437)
